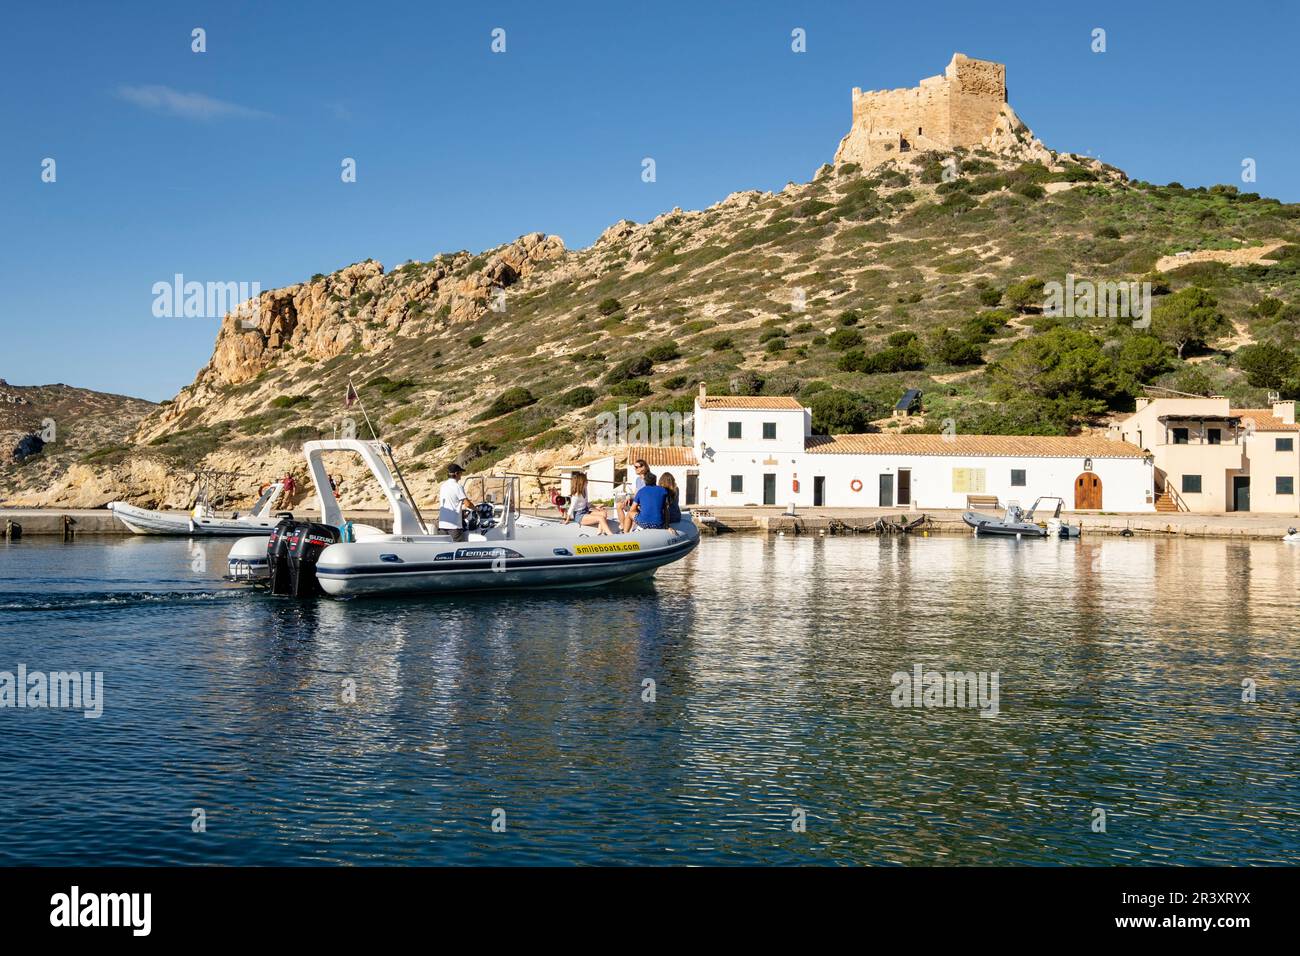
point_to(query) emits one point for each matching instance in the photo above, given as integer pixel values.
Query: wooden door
(1087, 492)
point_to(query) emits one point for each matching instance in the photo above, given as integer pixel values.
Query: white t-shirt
(450, 494)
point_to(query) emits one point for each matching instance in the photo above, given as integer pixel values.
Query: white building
(759, 450)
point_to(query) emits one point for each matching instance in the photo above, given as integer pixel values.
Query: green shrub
(631, 387)
(508, 401)
(747, 382)
(579, 397)
(841, 340)
(673, 382)
(948, 348)
(429, 442)
(1024, 295)
(402, 415)
(636, 367)
(298, 434)
(664, 352)
(289, 401)
(475, 341)
(609, 306)
(1266, 366)
(837, 411)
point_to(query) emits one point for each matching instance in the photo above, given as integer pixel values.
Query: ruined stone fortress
(965, 106)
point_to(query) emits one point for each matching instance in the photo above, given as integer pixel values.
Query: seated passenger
(625, 502)
(650, 506)
(669, 484)
(581, 510)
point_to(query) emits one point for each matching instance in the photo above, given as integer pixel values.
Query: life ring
(855, 484)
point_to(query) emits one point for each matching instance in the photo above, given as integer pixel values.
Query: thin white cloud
(163, 99)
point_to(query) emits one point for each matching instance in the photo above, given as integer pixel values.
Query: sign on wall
(969, 481)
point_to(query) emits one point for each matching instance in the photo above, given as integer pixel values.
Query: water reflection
(392, 730)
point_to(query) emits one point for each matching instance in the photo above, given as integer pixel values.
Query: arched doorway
(1087, 492)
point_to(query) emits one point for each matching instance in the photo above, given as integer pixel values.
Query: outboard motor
(292, 552)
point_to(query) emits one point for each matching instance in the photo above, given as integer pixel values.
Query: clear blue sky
(224, 166)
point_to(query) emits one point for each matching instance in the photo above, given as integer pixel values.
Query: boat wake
(83, 600)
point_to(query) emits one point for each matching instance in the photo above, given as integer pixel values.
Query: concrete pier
(773, 520)
(100, 521)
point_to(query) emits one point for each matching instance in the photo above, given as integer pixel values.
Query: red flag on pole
(351, 395)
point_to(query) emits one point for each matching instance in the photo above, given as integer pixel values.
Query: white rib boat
(503, 548)
(204, 520)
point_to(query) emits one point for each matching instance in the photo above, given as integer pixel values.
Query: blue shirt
(651, 500)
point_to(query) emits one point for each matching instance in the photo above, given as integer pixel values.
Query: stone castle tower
(965, 106)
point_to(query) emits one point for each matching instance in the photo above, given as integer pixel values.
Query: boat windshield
(265, 500)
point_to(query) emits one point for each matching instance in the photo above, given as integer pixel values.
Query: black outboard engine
(292, 552)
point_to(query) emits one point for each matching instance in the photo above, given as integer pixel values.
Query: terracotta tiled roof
(751, 401)
(661, 455)
(1030, 446)
(1265, 420)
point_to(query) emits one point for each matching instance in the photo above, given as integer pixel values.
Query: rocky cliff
(924, 270)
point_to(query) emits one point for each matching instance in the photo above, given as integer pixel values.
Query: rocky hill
(928, 269)
(68, 425)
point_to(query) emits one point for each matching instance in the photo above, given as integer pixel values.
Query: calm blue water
(1120, 665)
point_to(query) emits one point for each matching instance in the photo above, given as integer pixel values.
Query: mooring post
(67, 527)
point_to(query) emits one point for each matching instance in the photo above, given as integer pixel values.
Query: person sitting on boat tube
(625, 503)
(581, 510)
(672, 510)
(452, 500)
(649, 506)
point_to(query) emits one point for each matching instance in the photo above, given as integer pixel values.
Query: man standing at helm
(452, 499)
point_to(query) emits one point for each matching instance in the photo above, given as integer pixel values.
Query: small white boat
(1292, 536)
(204, 519)
(503, 549)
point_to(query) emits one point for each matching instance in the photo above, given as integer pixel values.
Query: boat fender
(855, 484)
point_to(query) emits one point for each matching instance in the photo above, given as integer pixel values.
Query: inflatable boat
(1018, 523)
(503, 549)
(204, 520)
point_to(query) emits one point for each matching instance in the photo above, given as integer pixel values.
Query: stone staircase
(1166, 503)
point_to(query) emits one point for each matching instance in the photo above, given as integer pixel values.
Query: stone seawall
(854, 521)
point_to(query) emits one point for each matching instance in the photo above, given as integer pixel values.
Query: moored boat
(1018, 523)
(204, 520)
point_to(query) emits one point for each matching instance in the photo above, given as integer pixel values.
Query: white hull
(555, 557)
(143, 521)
